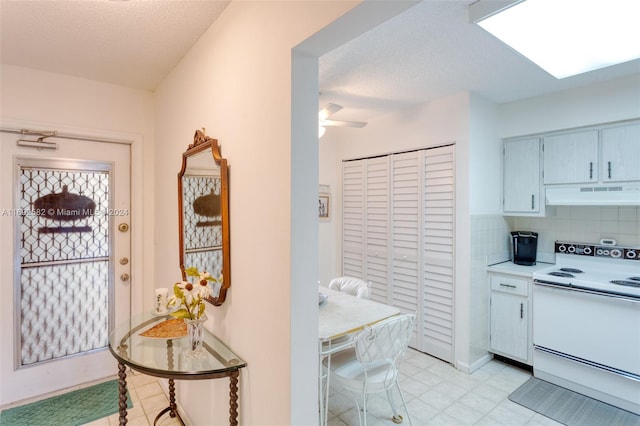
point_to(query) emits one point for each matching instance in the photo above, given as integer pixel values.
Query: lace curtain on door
(63, 283)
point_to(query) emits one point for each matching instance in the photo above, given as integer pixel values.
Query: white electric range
(586, 322)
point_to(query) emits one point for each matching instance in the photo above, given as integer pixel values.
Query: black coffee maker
(525, 246)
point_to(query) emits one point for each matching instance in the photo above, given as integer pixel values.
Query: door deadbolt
(123, 227)
(124, 260)
(124, 277)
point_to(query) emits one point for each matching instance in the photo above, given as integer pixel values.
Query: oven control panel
(606, 251)
(631, 254)
(575, 248)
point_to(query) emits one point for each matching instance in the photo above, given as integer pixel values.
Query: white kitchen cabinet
(621, 153)
(510, 322)
(522, 188)
(571, 158)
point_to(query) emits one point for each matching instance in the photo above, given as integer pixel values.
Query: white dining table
(343, 314)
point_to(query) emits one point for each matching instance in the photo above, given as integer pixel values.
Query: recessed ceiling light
(569, 37)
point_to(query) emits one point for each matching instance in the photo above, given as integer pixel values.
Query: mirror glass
(203, 204)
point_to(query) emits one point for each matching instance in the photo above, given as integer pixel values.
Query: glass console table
(170, 358)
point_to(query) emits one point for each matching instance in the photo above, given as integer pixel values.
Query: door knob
(123, 227)
(124, 260)
(124, 277)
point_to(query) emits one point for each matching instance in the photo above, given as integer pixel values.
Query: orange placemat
(169, 329)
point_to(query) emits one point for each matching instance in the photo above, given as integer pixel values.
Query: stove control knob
(616, 253)
(562, 248)
(630, 254)
(587, 250)
(571, 249)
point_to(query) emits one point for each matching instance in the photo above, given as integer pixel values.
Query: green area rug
(568, 407)
(70, 409)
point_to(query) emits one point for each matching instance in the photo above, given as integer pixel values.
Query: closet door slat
(377, 228)
(438, 251)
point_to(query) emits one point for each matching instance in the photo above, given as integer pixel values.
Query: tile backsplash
(582, 224)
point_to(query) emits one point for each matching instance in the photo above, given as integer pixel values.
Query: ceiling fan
(324, 122)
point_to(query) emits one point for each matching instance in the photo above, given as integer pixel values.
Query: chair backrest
(381, 345)
(351, 285)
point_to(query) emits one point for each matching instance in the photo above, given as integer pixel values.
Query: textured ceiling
(426, 52)
(430, 51)
(131, 43)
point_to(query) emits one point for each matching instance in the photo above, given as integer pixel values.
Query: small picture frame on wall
(324, 204)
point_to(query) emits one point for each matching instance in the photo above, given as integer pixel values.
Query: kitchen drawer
(509, 284)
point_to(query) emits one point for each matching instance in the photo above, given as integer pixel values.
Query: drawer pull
(521, 310)
(507, 285)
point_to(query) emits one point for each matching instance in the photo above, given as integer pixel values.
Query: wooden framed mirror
(203, 214)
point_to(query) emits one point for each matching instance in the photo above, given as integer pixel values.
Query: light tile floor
(439, 395)
(148, 400)
(436, 393)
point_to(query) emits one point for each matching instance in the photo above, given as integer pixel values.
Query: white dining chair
(350, 285)
(372, 364)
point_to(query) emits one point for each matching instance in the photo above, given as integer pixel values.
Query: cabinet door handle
(521, 310)
(533, 198)
(591, 170)
(507, 285)
(609, 169)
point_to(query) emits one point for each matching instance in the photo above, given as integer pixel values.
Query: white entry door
(64, 262)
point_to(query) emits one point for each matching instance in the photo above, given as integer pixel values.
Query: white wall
(329, 174)
(45, 101)
(440, 122)
(598, 103)
(237, 83)
(485, 157)
(54, 101)
(477, 126)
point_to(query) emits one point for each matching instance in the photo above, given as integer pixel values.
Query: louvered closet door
(398, 230)
(353, 196)
(377, 227)
(438, 252)
(405, 225)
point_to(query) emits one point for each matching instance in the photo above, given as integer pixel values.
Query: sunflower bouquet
(188, 298)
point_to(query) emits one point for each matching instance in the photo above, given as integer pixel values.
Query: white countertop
(509, 267)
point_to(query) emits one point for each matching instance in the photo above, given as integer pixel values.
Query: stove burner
(572, 270)
(561, 274)
(634, 278)
(627, 283)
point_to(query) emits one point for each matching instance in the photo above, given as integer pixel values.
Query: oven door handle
(570, 287)
(592, 364)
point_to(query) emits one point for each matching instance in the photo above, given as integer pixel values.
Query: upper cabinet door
(621, 153)
(522, 176)
(571, 158)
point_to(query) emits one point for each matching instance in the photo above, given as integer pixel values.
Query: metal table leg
(172, 409)
(233, 398)
(122, 396)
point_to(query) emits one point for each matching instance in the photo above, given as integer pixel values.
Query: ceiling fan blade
(340, 123)
(328, 110)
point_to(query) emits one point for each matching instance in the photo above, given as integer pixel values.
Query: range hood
(598, 195)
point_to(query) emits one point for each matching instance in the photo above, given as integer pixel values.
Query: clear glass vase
(195, 331)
